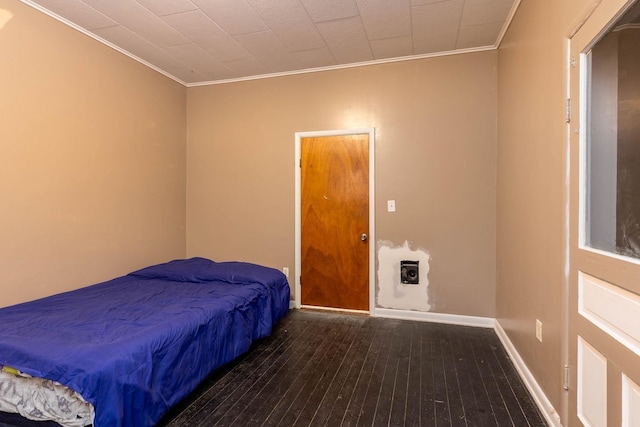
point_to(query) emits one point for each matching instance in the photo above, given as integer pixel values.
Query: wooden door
(604, 270)
(335, 221)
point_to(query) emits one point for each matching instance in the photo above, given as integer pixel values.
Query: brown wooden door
(335, 221)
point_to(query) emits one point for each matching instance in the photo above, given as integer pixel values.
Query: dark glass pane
(613, 141)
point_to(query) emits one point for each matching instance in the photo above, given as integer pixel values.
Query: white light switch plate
(391, 205)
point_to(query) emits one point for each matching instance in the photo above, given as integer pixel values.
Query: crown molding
(345, 66)
(507, 23)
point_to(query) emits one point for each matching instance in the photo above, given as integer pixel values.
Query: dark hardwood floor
(325, 369)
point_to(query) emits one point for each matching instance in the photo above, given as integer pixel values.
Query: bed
(134, 346)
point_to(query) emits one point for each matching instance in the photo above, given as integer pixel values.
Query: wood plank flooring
(326, 369)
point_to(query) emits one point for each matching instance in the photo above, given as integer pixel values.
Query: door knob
(363, 237)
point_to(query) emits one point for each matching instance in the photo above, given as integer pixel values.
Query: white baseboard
(545, 406)
(452, 319)
(292, 304)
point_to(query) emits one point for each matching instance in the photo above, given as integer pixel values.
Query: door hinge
(568, 111)
(300, 164)
(572, 61)
(566, 377)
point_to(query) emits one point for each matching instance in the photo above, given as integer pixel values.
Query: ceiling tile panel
(78, 12)
(271, 10)
(423, 2)
(196, 58)
(201, 30)
(208, 40)
(269, 50)
(290, 22)
(435, 26)
(384, 19)
(246, 67)
(478, 12)
(478, 35)
(167, 7)
(330, 10)
(186, 74)
(137, 46)
(234, 16)
(390, 48)
(347, 40)
(140, 20)
(315, 58)
(302, 37)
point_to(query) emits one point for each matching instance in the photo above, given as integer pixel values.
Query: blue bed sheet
(136, 345)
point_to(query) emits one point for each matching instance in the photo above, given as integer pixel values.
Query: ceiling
(210, 41)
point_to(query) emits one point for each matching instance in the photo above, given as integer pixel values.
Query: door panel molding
(602, 301)
(592, 385)
(610, 308)
(630, 402)
(298, 210)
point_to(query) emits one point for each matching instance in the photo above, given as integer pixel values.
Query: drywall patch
(392, 293)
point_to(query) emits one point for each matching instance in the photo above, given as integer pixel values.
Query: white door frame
(298, 209)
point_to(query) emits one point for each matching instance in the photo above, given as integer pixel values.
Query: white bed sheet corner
(39, 399)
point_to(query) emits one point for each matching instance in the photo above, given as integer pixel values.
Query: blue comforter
(136, 345)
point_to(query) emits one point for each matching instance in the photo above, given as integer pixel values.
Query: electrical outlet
(539, 330)
(285, 270)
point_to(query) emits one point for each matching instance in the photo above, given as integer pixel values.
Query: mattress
(39, 399)
(136, 345)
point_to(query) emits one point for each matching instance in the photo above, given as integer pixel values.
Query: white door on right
(604, 262)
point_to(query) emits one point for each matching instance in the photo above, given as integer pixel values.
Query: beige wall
(435, 124)
(92, 159)
(531, 182)
(93, 163)
(93, 178)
